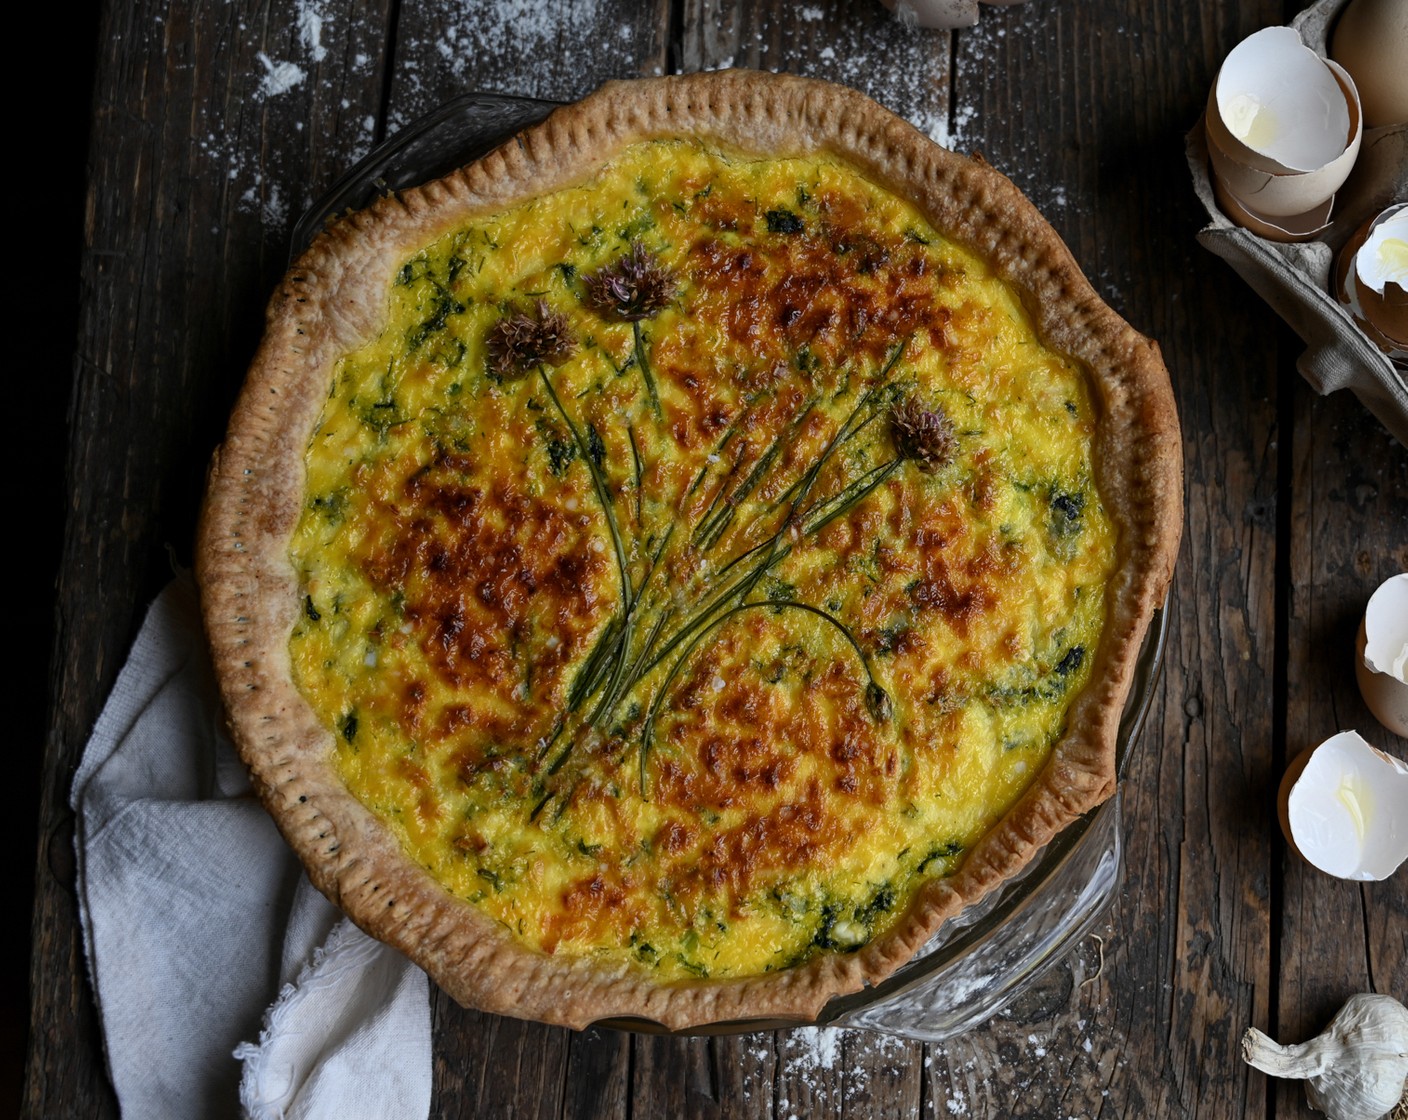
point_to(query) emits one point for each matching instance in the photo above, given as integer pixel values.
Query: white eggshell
(1281, 104)
(1382, 665)
(1371, 42)
(1348, 811)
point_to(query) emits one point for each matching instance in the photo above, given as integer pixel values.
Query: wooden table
(215, 124)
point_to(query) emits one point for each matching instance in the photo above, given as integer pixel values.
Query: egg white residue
(1348, 811)
(1250, 121)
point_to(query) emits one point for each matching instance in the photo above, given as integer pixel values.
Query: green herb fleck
(784, 221)
(595, 447)
(561, 452)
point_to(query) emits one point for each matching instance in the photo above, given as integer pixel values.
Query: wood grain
(1067, 100)
(557, 51)
(853, 42)
(1348, 533)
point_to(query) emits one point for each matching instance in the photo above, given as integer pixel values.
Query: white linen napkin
(196, 915)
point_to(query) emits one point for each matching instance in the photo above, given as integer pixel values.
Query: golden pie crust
(330, 303)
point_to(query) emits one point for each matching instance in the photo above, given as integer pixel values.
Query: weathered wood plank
(745, 1072)
(1348, 533)
(673, 1077)
(598, 1076)
(210, 129)
(1070, 102)
(494, 1067)
(1048, 1054)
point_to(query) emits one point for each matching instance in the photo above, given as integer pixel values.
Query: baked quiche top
(668, 567)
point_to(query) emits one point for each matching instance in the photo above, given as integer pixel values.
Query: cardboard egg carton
(1296, 278)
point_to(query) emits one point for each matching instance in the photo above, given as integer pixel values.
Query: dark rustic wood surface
(200, 160)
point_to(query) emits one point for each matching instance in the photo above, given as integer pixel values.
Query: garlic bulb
(1356, 1070)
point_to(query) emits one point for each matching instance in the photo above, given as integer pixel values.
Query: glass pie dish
(982, 958)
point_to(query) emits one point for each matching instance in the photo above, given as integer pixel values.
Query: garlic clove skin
(1355, 1070)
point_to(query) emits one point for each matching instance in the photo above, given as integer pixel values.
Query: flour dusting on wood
(462, 47)
(263, 155)
(279, 77)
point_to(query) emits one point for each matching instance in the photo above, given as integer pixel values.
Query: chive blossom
(519, 342)
(635, 287)
(923, 435)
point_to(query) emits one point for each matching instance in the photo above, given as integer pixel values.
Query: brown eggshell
(1289, 228)
(1371, 42)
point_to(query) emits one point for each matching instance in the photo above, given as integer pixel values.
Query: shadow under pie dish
(666, 568)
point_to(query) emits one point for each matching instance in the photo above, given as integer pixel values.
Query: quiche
(666, 568)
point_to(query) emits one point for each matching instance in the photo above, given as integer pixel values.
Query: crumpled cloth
(196, 915)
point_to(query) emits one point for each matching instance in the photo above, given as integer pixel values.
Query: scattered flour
(261, 174)
(279, 77)
(835, 1064)
(814, 1047)
(267, 200)
(310, 29)
(857, 48)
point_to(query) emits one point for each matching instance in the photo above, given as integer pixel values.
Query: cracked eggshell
(1280, 108)
(1344, 809)
(1295, 227)
(1381, 666)
(1381, 272)
(1371, 280)
(1300, 124)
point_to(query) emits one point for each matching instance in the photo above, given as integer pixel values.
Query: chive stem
(602, 493)
(644, 363)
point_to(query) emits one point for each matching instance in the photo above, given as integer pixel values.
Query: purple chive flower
(634, 287)
(519, 342)
(922, 434)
